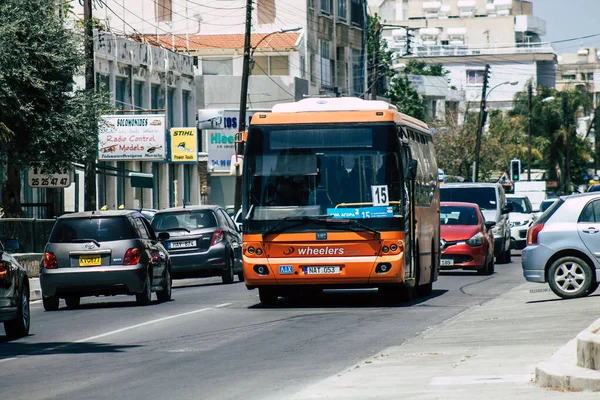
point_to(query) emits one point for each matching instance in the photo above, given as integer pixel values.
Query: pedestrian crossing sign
(505, 179)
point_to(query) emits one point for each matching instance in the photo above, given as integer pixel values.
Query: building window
(217, 66)
(302, 66)
(313, 73)
(170, 108)
(568, 77)
(475, 77)
(120, 94)
(590, 76)
(326, 64)
(342, 9)
(155, 103)
(102, 82)
(271, 65)
(185, 105)
(326, 6)
(357, 72)
(357, 15)
(164, 11)
(138, 96)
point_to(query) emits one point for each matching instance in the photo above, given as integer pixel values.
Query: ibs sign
(184, 145)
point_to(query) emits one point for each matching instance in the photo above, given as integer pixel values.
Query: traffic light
(515, 170)
(409, 37)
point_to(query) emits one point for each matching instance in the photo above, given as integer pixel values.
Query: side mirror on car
(490, 224)
(164, 236)
(508, 208)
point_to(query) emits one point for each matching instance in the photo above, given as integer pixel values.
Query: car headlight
(497, 229)
(476, 240)
(520, 223)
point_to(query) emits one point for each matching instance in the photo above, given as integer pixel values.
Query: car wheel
(570, 277)
(51, 303)
(72, 302)
(165, 294)
(19, 326)
(240, 276)
(267, 296)
(145, 297)
(228, 273)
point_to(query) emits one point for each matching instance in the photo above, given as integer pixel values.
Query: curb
(562, 370)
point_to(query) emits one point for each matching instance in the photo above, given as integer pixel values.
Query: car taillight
(532, 234)
(4, 274)
(217, 237)
(50, 261)
(132, 256)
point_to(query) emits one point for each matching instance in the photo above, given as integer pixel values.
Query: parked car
(96, 253)
(544, 205)
(520, 218)
(594, 188)
(491, 199)
(467, 241)
(204, 241)
(14, 293)
(562, 246)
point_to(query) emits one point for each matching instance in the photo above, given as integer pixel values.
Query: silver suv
(104, 253)
(491, 200)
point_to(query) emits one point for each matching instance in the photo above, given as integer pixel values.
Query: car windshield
(104, 229)
(519, 204)
(484, 197)
(184, 220)
(456, 215)
(546, 204)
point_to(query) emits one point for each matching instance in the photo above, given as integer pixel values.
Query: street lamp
(248, 53)
(482, 119)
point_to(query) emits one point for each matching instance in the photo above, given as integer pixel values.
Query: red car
(467, 241)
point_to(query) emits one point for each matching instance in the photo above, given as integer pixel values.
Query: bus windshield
(336, 170)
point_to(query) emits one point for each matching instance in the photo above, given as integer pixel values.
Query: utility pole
(243, 98)
(565, 108)
(482, 118)
(90, 159)
(530, 114)
(375, 57)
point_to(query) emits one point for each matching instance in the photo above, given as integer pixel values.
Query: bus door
(409, 210)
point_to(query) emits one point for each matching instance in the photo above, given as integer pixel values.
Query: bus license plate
(447, 262)
(328, 269)
(90, 261)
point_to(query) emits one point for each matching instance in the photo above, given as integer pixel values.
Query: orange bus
(339, 193)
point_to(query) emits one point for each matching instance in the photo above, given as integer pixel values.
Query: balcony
(503, 7)
(529, 23)
(428, 49)
(456, 35)
(466, 8)
(432, 6)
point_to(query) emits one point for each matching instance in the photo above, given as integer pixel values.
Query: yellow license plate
(89, 261)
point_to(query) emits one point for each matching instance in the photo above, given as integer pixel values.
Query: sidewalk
(486, 352)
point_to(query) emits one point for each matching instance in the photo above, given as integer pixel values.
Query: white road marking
(154, 321)
(127, 328)
(480, 379)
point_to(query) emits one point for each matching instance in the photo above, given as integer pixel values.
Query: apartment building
(465, 35)
(580, 71)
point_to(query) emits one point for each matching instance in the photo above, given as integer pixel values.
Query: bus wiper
(355, 224)
(301, 219)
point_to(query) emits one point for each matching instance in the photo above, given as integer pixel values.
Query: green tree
(415, 67)
(404, 96)
(43, 120)
(379, 59)
(563, 154)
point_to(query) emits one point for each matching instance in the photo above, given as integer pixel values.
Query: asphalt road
(216, 341)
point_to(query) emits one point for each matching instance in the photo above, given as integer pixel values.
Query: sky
(566, 19)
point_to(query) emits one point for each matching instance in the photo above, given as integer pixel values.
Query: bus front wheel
(267, 296)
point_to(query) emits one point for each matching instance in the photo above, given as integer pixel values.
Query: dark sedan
(97, 253)
(204, 241)
(14, 293)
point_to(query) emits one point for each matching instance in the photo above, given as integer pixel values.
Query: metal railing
(466, 50)
(32, 233)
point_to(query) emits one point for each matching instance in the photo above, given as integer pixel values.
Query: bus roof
(336, 109)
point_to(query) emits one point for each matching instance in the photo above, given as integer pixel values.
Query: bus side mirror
(412, 169)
